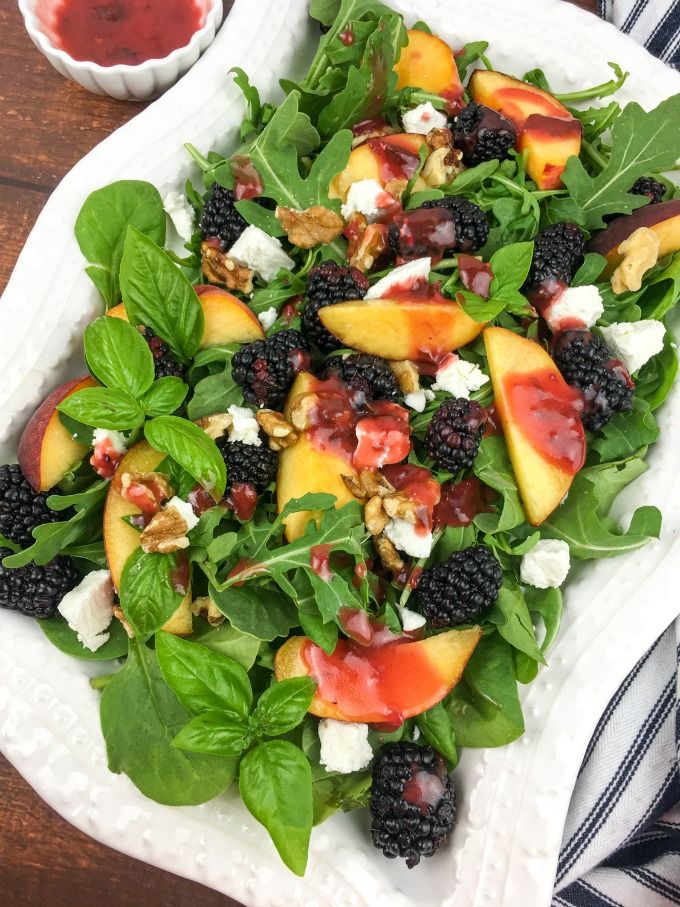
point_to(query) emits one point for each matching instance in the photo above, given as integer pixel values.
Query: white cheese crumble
(260, 252)
(404, 536)
(244, 426)
(185, 510)
(546, 565)
(181, 214)
(268, 317)
(117, 440)
(405, 275)
(635, 342)
(88, 609)
(410, 620)
(417, 400)
(575, 304)
(366, 197)
(458, 377)
(423, 118)
(344, 745)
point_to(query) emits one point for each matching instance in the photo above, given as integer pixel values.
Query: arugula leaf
(102, 224)
(511, 616)
(191, 448)
(260, 217)
(627, 432)
(642, 142)
(258, 114)
(140, 717)
(548, 604)
(469, 54)
(118, 355)
(148, 595)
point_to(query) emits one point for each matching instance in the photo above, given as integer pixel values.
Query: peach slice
(46, 449)
(226, 318)
(384, 684)
(427, 62)
(384, 159)
(400, 329)
(513, 98)
(121, 539)
(549, 143)
(663, 219)
(540, 417)
(304, 469)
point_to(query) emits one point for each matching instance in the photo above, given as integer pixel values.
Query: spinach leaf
(592, 267)
(262, 613)
(66, 640)
(627, 432)
(215, 394)
(340, 792)
(492, 466)
(436, 727)
(203, 680)
(283, 706)
(158, 296)
(548, 604)
(227, 640)
(511, 616)
(275, 782)
(102, 224)
(148, 595)
(118, 355)
(103, 407)
(191, 448)
(140, 717)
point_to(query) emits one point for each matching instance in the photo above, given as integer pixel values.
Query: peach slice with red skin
(427, 62)
(400, 329)
(121, 539)
(515, 99)
(515, 362)
(304, 469)
(663, 219)
(46, 449)
(366, 163)
(226, 318)
(378, 684)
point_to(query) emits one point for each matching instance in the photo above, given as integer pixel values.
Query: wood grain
(48, 124)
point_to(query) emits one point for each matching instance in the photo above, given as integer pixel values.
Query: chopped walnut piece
(278, 429)
(205, 607)
(166, 532)
(640, 253)
(439, 138)
(310, 228)
(372, 243)
(442, 166)
(119, 615)
(398, 506)
(216, 425)
(396, 187)
(375, 517)
(146, 490)
(217, 267)
(388, 554)
(367, 484)
(301, 410)
(407, 376)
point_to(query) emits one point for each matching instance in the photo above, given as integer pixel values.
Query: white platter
(512, 801)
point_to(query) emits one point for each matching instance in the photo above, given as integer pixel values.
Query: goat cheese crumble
(344, 745)
(458, 377)
(366, 197)
(405, 276)
(180, 212)
(185, 510)
(576, 306)
(88, 609)
(244, 426)
(404, 537)
(546, 565)
(635, 342)
(260, 252)
(423, 118)
(267, 318)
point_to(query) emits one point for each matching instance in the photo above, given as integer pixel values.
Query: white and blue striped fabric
(653, 23)
(621, 843)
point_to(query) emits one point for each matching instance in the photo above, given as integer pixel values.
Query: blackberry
(558, 253)
(164, 362)
(439, 227)
(653, 189)
(329, 283)
(483, 134)
(413, 802)
(21, 508)
(368, 374)
(455, 433)
(460, 589)
(587, 363)
(248, 464)
(36, 591)
(265, 369)
(220, 218)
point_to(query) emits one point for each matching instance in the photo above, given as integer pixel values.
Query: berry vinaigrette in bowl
(112, 32)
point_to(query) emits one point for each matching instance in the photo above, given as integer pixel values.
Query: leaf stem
(593, 156)
(597, 91)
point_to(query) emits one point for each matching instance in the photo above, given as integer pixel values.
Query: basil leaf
(66, 640)
(102, 224)
(203, 680)
(159, 296)
(435, 726)
(275, 782)
(191, 449)
(103, 407)
(283, 706)
(215, 732)
(164, 396)
(510, 266)
(140, 718)
(263, 613)
(148, 596)
(118, 355)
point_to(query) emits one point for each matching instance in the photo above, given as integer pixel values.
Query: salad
(316, 497)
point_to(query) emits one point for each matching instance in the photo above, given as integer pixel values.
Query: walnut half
(640, 253)
(217, 267)
(166, 532)
(278, 429)
(311, 227)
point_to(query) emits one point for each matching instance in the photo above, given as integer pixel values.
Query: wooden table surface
(48, 124)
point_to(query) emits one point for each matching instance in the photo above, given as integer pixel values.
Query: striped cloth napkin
(653, 23)
(621, 844)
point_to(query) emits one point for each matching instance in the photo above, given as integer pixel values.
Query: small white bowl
(123, 81)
